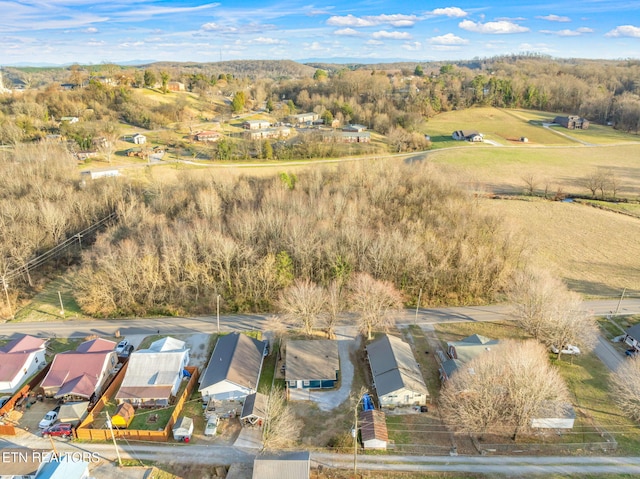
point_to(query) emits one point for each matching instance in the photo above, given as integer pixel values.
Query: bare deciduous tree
(281, 427)
(530, 183)
(334, 305)
(374, 301)
(549, 312)
(302, 303)
(503, 390)
(625, 387)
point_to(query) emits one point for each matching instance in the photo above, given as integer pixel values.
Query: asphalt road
(244, 322)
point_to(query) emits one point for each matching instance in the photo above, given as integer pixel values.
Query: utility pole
(218, 312)
(61, 305)
(5, 286)
(620, 300)
(418, 305)
(113, 437)
(355, 441)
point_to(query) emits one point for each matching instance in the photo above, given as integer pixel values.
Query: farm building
(256, 124)
(175, 86)
(301, 118)
(312, 364)
(234, 369)
(572, 122)
(281, 132)
(354, 128)
(208, 136)
(139, 139)
(123, 416)
(373, 429)
(396, 374)
(20, 359)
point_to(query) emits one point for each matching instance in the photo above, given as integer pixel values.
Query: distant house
(281, 132)
(139, 139)
(154, 375)
(81, 373)
(572, 122)
(347, 137)
(463, 351)
(354, 128)
(373, 429)
(301, 118)
(70, 119)
(312, 364)
(20, 359)
(294, 465)
(256, 124)
(86, 154)
(234, 369)
(208, 136)
(94, 175)
(175, 86)
(254, 410)
(467, 135)
(396, 374)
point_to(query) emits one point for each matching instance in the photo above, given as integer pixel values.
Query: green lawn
(141, 419)
(45, 306)
(269, 368)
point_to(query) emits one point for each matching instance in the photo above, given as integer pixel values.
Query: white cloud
(554, 18)
(567, 32)
(453, 12)
(412, 46)
(624, 31)
(349, 32)
(232, 29)
(448, 39)
(392, 35)
(492, 28)
(395, 20)
(90, 30)
(314, 46)
(269, 41)
(374, 42)
(445, 48)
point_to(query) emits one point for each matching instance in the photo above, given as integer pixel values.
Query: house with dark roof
(396, 374)
(234, 369)
(572, 122)
(20, 359)
(154, 375)
(294, 465)
(373, 429)
(81, 373)
(254, 410)
(312, 364)
(467, 135)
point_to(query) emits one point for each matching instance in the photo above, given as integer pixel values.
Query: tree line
(247, 239)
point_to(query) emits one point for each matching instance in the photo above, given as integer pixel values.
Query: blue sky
(91, 31)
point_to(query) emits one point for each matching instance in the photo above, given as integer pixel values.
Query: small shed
(123, 415)
(254, 410)
(554, 415)
(373, 429)
(183, 429)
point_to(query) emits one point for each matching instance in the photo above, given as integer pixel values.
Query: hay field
(596, 252)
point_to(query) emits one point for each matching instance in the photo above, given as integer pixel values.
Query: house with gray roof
(154, 375)
(294, 465)
(234, 369)
(312, 364)
(396, 374)
(463, 351)
(254, 410)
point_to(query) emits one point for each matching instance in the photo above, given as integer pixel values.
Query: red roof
(23, 344)
(373, 425)
(12, 364)
(96, 345)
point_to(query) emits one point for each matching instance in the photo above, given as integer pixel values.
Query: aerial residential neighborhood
(368, 240)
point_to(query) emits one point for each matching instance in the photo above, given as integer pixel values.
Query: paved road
(609, 355)
(243, 322)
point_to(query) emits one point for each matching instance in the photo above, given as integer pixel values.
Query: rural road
(244, 322)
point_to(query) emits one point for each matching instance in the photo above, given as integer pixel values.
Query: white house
(396, 374)
(19, 360)
(139, 139)
(154, 375)
(234, 369)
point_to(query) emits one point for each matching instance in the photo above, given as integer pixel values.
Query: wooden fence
(18, 398)
(85, 430)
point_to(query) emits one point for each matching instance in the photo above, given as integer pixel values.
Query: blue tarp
(367, 403)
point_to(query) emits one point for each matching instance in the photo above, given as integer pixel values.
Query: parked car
(48, 419)
(632, 353)
(127, 351)
(212, 425)
(63, 429)
(121, 347)
(566, 349)
(265, 352)
(4, 400)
